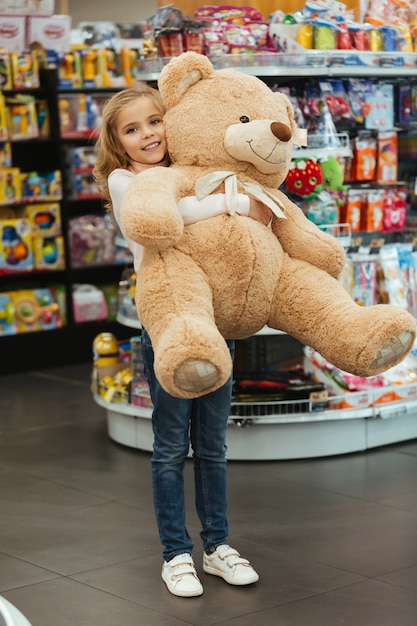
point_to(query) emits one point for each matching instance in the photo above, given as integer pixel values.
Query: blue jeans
(177, 423)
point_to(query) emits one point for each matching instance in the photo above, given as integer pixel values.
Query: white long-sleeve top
(191, 209)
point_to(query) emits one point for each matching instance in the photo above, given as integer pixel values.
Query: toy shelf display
(44, 265)
(288, 402)
(334, 417)
(317, 417)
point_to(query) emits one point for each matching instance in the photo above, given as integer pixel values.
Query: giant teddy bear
(229, 276)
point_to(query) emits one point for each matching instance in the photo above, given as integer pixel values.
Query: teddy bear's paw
(393, 352)
(196, 375)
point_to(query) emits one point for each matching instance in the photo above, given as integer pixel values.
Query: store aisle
(334, 540)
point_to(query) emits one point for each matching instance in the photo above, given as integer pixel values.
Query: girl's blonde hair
(109, 152)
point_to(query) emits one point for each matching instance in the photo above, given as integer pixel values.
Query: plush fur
(229, 276)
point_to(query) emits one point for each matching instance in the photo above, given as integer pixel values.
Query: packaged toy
(36, 309)
(42, 186)
(49, 252)
(45, 218)
(91, 239)
(21, 117)
(16, 245)
(25, 70)
(387, 164)
(89, 303)
(10, 185)
(5, 155)
(7, 315)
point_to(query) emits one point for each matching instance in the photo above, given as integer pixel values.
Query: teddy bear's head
(226, 120)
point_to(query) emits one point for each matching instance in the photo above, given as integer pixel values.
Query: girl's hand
(259, 212)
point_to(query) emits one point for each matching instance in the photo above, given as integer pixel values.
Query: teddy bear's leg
(174, 302)
(314, 308)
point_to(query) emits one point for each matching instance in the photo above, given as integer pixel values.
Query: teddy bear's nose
(281, 131)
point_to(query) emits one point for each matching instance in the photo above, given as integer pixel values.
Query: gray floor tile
(363, 604)
(66, 602)
(334, 539)
(17, 573)
(83, 538)
(369, 541)
(406, 578)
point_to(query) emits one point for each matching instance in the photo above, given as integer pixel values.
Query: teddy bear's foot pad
(196, 375)
(393, 352)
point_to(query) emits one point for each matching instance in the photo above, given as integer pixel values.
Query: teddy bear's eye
(244, 119)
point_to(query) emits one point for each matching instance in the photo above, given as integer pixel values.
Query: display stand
(280, 437)
(296, 430)
(290, 430)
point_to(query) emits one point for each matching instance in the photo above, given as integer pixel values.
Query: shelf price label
(318, 401)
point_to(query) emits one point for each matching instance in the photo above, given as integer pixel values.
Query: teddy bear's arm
(302, 239)
(149, 212)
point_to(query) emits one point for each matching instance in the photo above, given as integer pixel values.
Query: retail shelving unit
(72, 342)
(302, 429)
(289, 430)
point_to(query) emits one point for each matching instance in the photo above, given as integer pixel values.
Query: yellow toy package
(24, 69)
(45, 218)
(36, 309)
(48, 253)
(10, 185)
(4, 131)
(21, 117)
(16, 245)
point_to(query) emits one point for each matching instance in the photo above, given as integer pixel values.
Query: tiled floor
(334, 540)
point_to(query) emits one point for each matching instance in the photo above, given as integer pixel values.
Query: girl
(132, 139)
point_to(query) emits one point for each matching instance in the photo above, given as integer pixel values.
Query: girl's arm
(191, 209)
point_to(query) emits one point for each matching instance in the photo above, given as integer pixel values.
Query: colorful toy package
(16, 252)
(91, 239)
(35, 310)
(41, 186)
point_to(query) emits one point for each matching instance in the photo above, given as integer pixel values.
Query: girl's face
(141, 132)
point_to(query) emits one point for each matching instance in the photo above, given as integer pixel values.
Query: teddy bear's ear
(181, 73)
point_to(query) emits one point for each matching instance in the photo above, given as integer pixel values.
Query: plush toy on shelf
(230, 275)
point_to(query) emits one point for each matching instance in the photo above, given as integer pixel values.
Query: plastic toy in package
(383, 12)
(91, 239)
(229, 14)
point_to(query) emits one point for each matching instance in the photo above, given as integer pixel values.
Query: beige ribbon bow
(205, 185)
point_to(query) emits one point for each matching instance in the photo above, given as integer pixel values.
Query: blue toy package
(16, 252)
(7, 315)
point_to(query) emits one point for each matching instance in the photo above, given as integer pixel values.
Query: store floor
(334, 540)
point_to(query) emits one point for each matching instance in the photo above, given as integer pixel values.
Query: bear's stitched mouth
(267, 159)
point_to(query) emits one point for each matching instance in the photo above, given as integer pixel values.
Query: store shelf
(280, 431)
(285, 435)
(312, 63)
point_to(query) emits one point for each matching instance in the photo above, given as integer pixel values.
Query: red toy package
(395, 208)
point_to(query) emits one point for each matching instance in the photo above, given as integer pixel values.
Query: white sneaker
(229, 565)
(180, 576)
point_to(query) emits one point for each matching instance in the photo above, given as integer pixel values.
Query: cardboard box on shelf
(27, 7)
(53, 32)
(12, 32)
